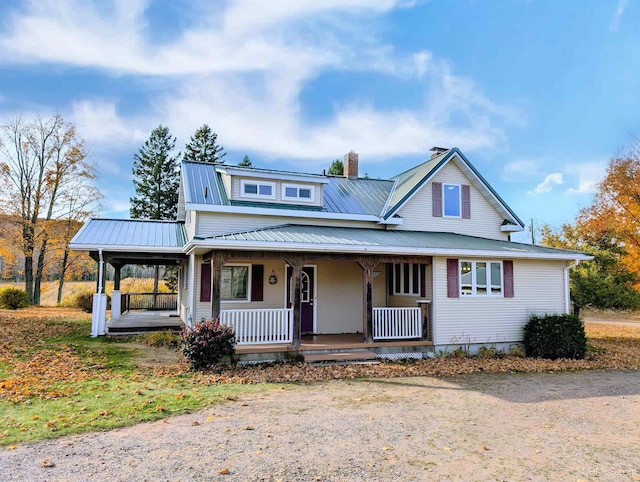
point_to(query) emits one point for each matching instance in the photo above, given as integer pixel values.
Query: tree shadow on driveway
(532, 387)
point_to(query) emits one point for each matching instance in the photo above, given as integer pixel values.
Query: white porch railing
(256, 327)
(396, 323)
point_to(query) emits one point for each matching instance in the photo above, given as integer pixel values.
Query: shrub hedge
(555, 336)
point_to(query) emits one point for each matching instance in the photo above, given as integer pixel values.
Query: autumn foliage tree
(614, 214)
(43, 164)
(602, 283)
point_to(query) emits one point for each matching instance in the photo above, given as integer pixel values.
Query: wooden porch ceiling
(309, 257)
(151, 259)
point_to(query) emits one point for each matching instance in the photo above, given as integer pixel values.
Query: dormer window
(258, 189)
(295, 192)
(452, 201)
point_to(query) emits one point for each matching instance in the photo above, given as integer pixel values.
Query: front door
(307, 291)
(307, 297)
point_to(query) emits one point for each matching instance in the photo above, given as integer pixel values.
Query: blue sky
(539, 95)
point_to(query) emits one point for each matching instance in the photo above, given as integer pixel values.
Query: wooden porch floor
(144, 321)
(346, 341)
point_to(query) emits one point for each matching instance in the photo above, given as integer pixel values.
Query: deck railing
(149, 301)
(256, 327)
(396, 323)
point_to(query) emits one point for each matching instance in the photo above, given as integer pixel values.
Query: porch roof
(124, 235)
(292, 237)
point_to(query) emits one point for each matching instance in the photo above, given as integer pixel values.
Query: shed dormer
(262, 186)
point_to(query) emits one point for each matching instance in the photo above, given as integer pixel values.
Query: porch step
(341, 356)
(137, 330)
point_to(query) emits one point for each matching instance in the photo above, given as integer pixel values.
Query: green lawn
(56, 380)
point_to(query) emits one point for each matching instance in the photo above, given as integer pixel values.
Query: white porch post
(116, 304)
(99, 312)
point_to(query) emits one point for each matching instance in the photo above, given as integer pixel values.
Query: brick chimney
(351, 165)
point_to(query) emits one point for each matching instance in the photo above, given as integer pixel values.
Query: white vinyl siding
(187, 298)
(340, 303)
(538, 289)
(273, 295)
(417, 214)
(210, 224)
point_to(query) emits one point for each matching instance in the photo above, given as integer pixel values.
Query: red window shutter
(466, 201)
(205, 282)
(423, 287)
(507, 266)
(436, 191)
(257, 282)
(453, 289)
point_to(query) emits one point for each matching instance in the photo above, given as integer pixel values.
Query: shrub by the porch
(13, 298)
(84, 301)
(208, 343)
(555, 336)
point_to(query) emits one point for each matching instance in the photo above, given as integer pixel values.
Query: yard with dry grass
(55, 379)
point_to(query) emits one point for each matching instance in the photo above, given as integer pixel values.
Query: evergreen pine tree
(337, 168)
(246, 162)
(203, 147)
(156, 178)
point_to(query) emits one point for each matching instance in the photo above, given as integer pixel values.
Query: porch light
(273, 279)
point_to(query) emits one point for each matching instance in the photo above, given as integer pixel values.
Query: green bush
(84, 301)
(207, 344)
(555, 336)
(13, 298)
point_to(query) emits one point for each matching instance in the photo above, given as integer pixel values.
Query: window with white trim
(297, 192)
(406, 279)
(451, 200)
(481, 278)
(235, 283)
(259, 189)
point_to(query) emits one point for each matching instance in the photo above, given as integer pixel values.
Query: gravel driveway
(546, 426)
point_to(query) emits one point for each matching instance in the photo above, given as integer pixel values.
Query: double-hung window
(406, 279)
(481, 278)
(451, 200)
(235, 283)
(258, 189)
(297, 192)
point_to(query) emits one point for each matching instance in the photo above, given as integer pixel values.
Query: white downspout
(100, 270)
(567, 293)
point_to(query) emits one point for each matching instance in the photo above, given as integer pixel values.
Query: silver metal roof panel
(356, 196)
(145, 234)
(339, 236)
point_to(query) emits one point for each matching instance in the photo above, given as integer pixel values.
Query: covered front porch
(365, 299)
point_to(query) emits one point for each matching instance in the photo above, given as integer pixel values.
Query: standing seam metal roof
(294, 233)
(108, 233)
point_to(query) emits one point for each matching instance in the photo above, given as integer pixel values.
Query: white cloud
(617, 17)
(99, 122)
(242, 69)
(555, 178)
(588, 175)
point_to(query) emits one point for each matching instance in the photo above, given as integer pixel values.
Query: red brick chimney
(351, 165)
